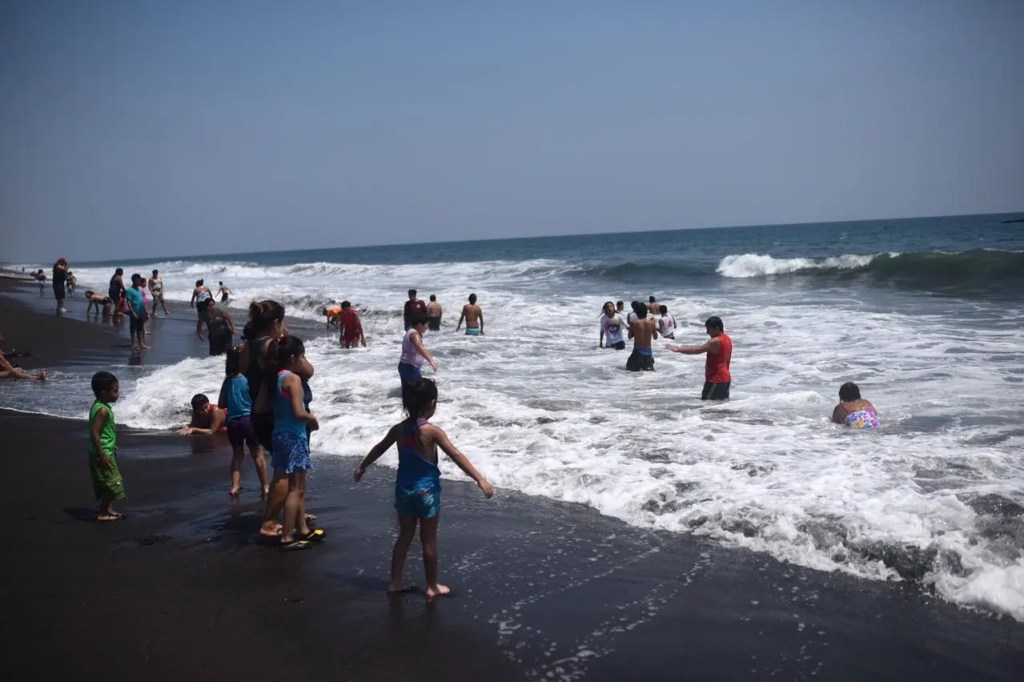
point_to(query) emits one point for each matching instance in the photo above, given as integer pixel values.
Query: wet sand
(185, 589)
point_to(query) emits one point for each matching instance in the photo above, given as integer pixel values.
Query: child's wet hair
(279, 353)
(233, 361)
(663, 309)
(103, 382)
(418, 395)
(199, 401)
(420, 318)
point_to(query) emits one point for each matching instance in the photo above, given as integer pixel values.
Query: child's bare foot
(401, 586)
(311, 518)
(437, 590)
(143, 346)
(271, 529)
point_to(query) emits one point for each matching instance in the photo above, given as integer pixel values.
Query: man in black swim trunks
(434, 312)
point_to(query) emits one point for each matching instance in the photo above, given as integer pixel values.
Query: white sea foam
(540, 409)
(761, 265)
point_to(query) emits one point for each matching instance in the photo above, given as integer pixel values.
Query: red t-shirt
(716, 367)
(350, 322)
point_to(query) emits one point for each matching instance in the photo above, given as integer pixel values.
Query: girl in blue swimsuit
(418, 484)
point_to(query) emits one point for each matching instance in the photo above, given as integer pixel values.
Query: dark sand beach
(185, 589)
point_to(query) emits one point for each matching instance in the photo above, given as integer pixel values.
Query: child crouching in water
(418, 485)
(285, 363)
(106, 476)
(235, 398)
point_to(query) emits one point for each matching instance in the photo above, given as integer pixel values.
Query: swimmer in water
(854, 411)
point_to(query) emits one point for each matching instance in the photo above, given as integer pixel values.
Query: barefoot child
(234, 396)
(418, 485)
(286, 364)
(106, 477)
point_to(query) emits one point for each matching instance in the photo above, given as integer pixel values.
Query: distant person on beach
(642, 330)
(71, 282)
(474, 317)
(235, 399)
(414, 353)
(220, 328)
(156, 288)
(854, 411)
(116, 289)
(207, 418)
(620, 307)
(9, 371)
(40, 277)
(137, 313)
(413, 307)
(666, 323)
(290, 455)
(224, 292)
(107, 483)
(418, 483)
(610, 334)
(717, 378)
(434, 313)
(351, 327)
(60, 278)
(201, 296)
(98, 302)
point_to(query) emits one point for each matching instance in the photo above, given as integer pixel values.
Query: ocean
(926, 315)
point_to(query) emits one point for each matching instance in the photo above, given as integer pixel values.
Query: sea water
(926, 315)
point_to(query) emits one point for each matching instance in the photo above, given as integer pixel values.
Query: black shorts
(219, 345)
(434, 324)
(201, 307)
(715, 391)
(640, 362)
(621, 345)
(263, 425)
(58, 291)
(136, 325)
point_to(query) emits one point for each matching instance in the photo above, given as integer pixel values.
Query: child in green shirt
(106, 477)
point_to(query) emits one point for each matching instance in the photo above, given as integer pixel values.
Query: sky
(138, 129)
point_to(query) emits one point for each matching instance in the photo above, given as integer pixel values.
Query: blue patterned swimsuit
(418, 484)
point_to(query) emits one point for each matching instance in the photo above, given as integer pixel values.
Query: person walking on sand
(434, 312)
(220, 328)
(60, 278)
(156, 289)
(224, 292)
(107, 483)
(413, 307)
(137, 311)
(474, 317)
(642, 330)
(418, 483)
(717, 378)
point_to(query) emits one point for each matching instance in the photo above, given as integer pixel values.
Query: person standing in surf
(414, 354)
(60, 276)
(413, 307)
(224, 292)
(717, 378)
(434, 312)
(642, 330)
(351, 327)
(610, 334)
(201, 296)
(474, 317)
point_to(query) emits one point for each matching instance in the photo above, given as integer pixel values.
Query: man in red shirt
(351, 327)
(716, 368)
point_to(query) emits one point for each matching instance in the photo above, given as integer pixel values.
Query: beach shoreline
(542, 590)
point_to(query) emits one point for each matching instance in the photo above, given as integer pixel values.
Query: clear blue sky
(140, 128)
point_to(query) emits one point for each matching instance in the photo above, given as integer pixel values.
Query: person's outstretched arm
(377, 450)
(709, 347)
(441, 438)
(461, 318)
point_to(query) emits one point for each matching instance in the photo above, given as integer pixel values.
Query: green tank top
(108, 435)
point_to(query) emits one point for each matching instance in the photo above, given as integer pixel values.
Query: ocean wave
(982, 271)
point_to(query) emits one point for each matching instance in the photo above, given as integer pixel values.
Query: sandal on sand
(294, 545)
(314, 535)
(115, 516)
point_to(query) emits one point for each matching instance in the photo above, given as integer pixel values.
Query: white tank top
(411, 356)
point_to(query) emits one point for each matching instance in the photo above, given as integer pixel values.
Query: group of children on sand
(279, 364)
